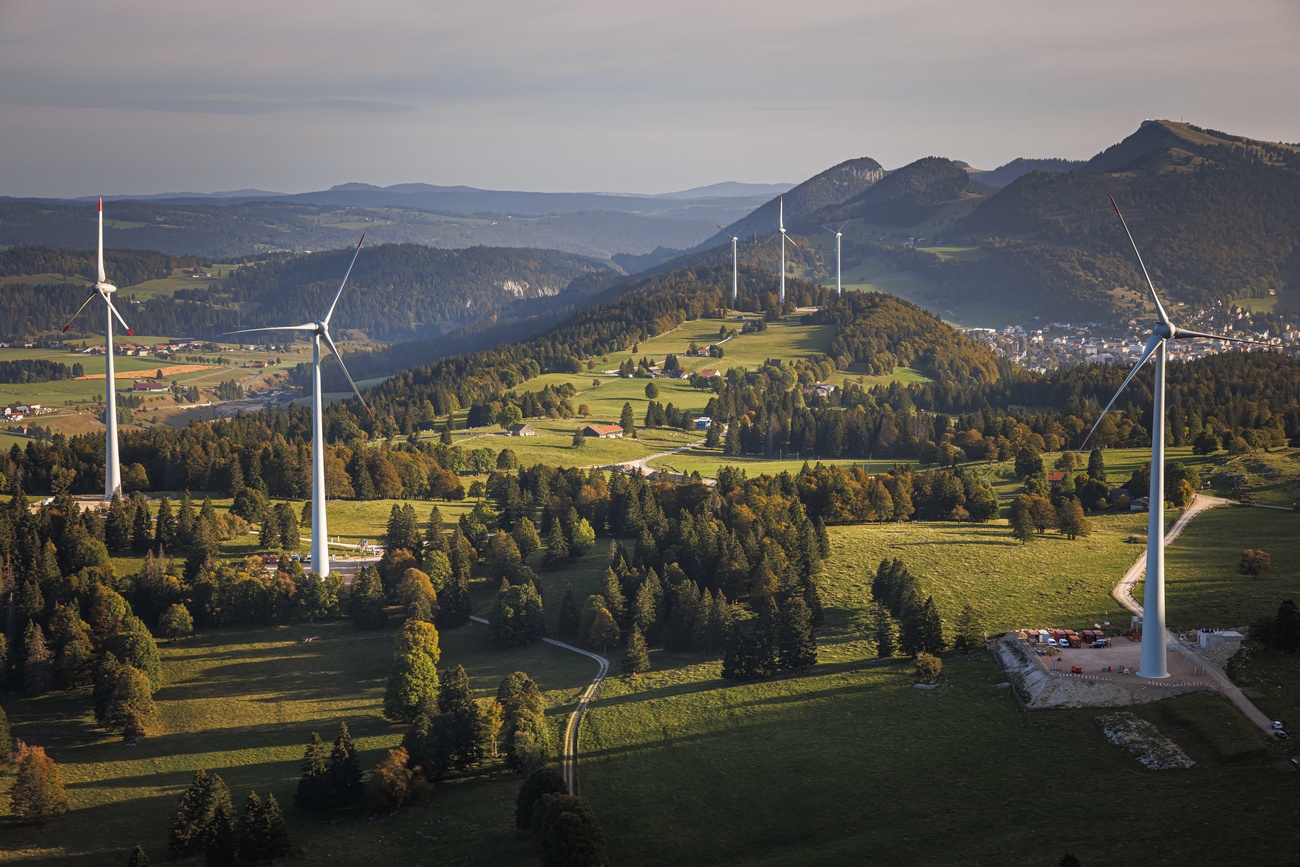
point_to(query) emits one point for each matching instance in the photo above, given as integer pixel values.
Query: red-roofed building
(603, 431)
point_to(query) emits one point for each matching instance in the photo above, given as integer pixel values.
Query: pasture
(244, 702)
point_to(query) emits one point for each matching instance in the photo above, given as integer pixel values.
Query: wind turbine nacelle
(106, 288)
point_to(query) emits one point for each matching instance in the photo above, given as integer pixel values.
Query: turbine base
(1162, 676)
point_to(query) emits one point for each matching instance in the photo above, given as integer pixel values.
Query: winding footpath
(1123, 593)
(569, 749)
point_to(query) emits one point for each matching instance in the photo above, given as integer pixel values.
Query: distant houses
(521, 430)
(603, 431)
(149, 386)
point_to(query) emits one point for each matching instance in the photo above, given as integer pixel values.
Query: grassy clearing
(1202, 585)
(244, 702)
(819, 769)
(707, 462)
(1272, 479)
(1051, 581)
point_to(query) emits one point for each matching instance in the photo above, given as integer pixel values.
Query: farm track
(569, 749)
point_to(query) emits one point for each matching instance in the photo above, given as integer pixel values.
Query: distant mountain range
(1216, 215)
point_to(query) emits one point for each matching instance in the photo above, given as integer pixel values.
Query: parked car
(1281, 735)
(1277, 724)
(1100, 642)
(1051, 642)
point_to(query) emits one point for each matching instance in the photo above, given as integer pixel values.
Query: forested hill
(400, 291)
(1216, 217)
(396, 291)
(831, 187)
(124, 267)
(906, 197)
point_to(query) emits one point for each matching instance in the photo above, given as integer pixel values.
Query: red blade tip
(101, 203)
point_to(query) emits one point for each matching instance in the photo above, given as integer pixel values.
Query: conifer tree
(454, 606)
(195, 812)
(541, 782)
(570, 620)
(796, 645)
(613, 593)
(557, 548)
(425, 748)
(131, 707)
(526, 538)
(368, 600)
(117, 525)
(434, 538)
(413, 675)
(221, 836)
(314, 791)
(37, 792)
(931, 628)
(164, 527)
(138, 857)
(38, 667)
(345, 769)
(134, 644)
(464, 722)
(6, 740)
(74, 661)
(252, 830)
(276, 829)
(645, 613)
(884, 632)
(970, 631)
(636, 657)
(627, 421)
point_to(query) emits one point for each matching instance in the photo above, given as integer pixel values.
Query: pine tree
(37, 792)
(38, 668)
(252, 830)
(795, 644)
(541, 782)
(276, 833)
(884, 632)
(221, 836)
(613, 593)
(526, 538)
(570, 620)
(413, 675)
(931, 628)
(645, 613)
(314, 785)
(345, 769)
(557, 548)
(164, 527)
(1096, 465)
(6, 740)
(117, 525)
(464, 722)
(454, 606)
(636, 658)
(131, 707)
(138, 857)
(368, 600)
(627, 421)
(195, 811)
(970, 631)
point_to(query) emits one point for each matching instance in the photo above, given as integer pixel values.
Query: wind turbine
(839, 234)
(735, 267)
(104, 289)
(320, 558)
(1153, 662)
(781, 226)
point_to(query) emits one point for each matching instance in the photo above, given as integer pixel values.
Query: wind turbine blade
(345, 279)
(308, 326)
(102, 277)
(841, 228)
(330, 341)
(93, 293)
(109, 302)
(1146, 353)
(791, 241)
(1160, 308)
(781, 205)
(1180, 333)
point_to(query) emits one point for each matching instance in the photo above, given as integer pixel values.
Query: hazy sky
(140, 96)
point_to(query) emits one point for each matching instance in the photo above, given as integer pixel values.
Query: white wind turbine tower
(839, 235)
(104, 289)
(320, 558)
(1153, 662)
(781, 226)
(735, 266)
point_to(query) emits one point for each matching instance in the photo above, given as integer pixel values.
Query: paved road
(569, 749)
(1124, 594)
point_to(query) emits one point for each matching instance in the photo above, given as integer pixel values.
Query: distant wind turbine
(735, 266)
(1153, 662)
(320, 331)
(104, 289)
(839, 234)
(781, 228)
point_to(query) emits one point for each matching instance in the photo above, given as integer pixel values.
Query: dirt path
(1124, 594)
(569, 749)
(641, 463)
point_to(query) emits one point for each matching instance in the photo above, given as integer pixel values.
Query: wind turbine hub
(105, 288)
(1166, 330)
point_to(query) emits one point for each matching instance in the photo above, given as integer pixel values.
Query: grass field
(245, 702)
(1202, 585)
(848, 764)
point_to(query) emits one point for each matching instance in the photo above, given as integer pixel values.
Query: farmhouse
(521, 430)
(1055, 477)
(709, 373)
(603, 431)
(149, 386)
